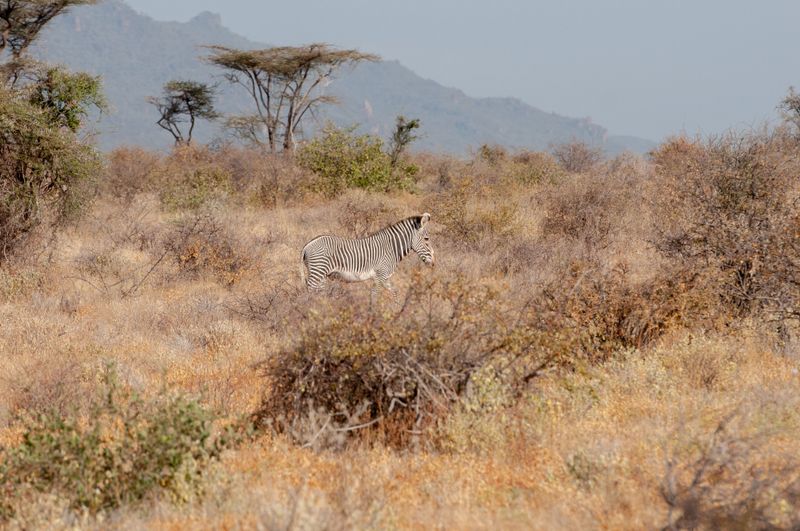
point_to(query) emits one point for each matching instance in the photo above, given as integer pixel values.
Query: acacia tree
(402, 137)
(285, 83)
(44, 165)
(20, 24)
(790, 108)
(182, 102)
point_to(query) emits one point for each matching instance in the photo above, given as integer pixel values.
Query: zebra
(374, 257)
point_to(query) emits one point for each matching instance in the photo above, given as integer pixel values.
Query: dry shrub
(492, 154)
(191, 177)
(201, 244)
(729, 206)
(129, 172)
(577, 157)
(628, 165)
(135, 253)
(582, 209)
(398, 373)
(497, 165)
(590, 211)
(438, 169)
(126, 253)
(704, 362)
(534, 167)
(18, 283)
(613, 312)
(733, 479)
(261, 178)
(108, 270)
(362, 213)
(54, 385)
(476, 216)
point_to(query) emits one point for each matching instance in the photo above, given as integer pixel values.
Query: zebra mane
(416, 223)
(417, 220)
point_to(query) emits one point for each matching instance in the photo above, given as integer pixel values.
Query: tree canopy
(44, 165)
(22, 20)
(182, 102)
(285, 83)
(402, 137)
(66, 97)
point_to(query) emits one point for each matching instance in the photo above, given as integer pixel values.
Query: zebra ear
(424, 220)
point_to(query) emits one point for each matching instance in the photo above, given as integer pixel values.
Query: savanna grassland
(601, 344)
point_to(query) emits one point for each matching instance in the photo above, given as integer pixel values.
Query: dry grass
(198, 295)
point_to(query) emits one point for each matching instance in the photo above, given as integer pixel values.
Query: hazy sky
(641, 67)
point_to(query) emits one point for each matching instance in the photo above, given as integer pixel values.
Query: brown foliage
(401, 372)
(202, 245)
(611, 312)
(577, 157)
(476, 216)
(732, 479)
(729, 205)
(129, 171)
(362, 213)
(191, 176)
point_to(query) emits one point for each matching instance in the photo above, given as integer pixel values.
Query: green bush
(66, 97)
(341, 159)
(43, 167)
(126, 450)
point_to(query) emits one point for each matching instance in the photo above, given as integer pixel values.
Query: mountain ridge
(136, 55)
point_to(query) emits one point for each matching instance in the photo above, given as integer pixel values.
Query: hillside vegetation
(602, 343)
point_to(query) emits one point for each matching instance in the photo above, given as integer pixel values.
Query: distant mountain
(136, 55)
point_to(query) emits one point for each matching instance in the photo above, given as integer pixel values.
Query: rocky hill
(136, 55)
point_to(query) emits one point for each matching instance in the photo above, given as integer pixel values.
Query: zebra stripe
(374, 257)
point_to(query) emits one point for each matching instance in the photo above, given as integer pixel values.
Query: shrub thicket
(126, 450)
(191, 178)
(495, 164)
(476, 216)
(401, 372)
(733, 478)
(342, 159)
(201, 244)
(614, 312)
(729, 207)
(577, 157)
(44, 169)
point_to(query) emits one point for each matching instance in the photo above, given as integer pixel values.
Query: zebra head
(420, 241)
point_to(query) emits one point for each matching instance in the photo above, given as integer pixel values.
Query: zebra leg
(382, 281)
(319, 285)
(373, 293)
(387, 285)
(317, 279)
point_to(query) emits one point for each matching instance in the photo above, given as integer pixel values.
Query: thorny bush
(609, 311)
(577, 156)
(732, 479)
(201, 244)
(730, 206)
(403, 371)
